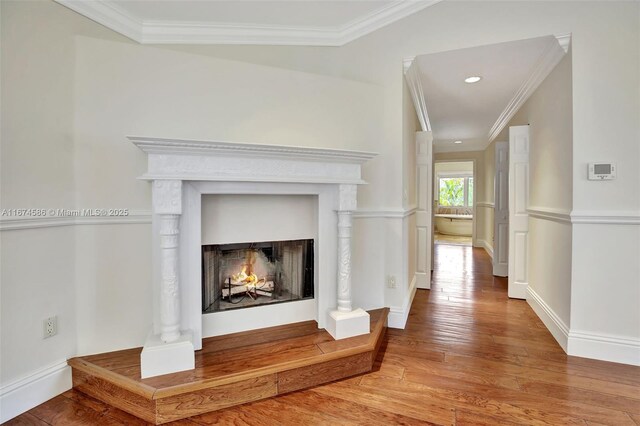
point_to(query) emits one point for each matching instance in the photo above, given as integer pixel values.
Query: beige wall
(549, 115)
(36, 171)
(72, 89)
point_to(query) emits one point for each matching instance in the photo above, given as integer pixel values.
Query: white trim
(546, 213)
(549, 59)
(108, 14)
(486, 246)
(605, 347)
(413, 79)
(34, 389)
(384, 213)
(551, 320)
(152, 145)
(112, 16)
(406, 64)
(17, 223)
(398, 315)
(488, 204)
(605, 217)
(564, 40)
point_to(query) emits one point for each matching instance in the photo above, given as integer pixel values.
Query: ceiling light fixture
(473, 79)
(457, 142)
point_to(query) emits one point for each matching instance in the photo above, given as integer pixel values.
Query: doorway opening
(453, 203)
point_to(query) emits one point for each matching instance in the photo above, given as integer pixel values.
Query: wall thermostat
(602, 171)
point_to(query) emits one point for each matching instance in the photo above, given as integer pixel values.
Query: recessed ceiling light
(457, 142)
(473, 79)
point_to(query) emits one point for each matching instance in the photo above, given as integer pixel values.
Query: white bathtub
(454, 224)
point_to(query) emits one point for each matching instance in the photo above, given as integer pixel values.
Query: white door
(501, 211)
(424, 164)
(518, 216)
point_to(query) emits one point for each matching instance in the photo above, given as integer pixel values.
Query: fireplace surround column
(167, 204)
(347, 204)
(346, 321)
(171, 350)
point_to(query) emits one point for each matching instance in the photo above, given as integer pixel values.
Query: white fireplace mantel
(182, 171)
(193, 160)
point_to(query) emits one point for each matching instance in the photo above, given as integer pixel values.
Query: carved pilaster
(167, 204)
(344, 261)
(347, 203)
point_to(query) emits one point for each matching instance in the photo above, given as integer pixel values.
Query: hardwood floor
(468, 356)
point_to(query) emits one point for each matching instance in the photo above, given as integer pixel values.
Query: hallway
(468, 356)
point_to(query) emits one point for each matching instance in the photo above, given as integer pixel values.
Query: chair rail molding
(610, 217)
(488, 204)
(390, 213)
(73, 218)
(547, 213)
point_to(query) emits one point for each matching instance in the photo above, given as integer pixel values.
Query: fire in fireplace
(251, 274)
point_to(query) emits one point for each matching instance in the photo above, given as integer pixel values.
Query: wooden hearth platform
(230, 370)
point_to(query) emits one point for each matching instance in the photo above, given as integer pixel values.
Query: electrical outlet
(391, 281)
(50, 326)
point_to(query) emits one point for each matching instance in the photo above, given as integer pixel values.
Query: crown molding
(108, 14)
(112, 16)
(550, 58)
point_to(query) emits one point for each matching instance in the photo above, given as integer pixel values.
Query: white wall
(549, 114)
(37, 277)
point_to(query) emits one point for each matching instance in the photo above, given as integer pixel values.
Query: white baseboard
(585, 344)
(31, 391)
(398, 315)
(605, 347)
(551, 320)
(486, 246)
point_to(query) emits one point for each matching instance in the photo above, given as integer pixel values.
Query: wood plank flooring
(468, 356)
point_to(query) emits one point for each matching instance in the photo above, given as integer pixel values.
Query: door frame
(433, 199)
(500, 270)
(519, 149)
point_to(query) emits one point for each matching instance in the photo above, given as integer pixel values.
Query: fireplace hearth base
(283, 359)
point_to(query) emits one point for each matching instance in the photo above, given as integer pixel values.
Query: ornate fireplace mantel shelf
(182, 171)
(195, 160)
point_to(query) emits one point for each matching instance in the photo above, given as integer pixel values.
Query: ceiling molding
(557, 48)
(112, 16)
(412, 77)
(406, 63)
(109, 15)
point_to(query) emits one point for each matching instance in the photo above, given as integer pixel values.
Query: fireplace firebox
(245, 275)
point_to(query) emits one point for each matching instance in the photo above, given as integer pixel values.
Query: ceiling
(469, 112)
(284, 22)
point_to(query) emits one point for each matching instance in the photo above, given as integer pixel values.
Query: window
(455, 191)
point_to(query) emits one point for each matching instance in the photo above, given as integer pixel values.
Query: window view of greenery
(452, 192)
